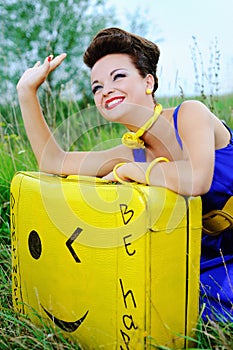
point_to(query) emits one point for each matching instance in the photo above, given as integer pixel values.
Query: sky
(187, 63)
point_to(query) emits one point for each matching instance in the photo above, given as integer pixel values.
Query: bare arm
(42, 141)
(50, 157)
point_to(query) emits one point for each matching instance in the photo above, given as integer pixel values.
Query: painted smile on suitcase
(64, 325)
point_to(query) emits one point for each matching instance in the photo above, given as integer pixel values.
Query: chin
(114, 115)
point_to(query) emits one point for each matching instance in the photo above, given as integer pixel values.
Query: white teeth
(110, 104)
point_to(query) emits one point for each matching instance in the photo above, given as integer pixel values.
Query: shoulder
(193, 105)
(194, 110)
(194, 117)
(188, 109)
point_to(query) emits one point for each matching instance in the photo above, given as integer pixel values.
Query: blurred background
(194, 37)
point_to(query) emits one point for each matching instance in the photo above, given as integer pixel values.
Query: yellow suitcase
(113, 266)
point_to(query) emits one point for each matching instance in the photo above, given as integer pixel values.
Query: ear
(150, 81)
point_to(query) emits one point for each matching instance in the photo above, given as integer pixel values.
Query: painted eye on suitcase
(34, 245)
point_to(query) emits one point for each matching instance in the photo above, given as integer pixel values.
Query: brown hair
(144, 53)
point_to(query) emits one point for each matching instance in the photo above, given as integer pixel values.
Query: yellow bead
(148, 91)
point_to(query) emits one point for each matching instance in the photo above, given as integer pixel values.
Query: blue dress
(216, 266)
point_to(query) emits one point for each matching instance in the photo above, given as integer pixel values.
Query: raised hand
(33, 77)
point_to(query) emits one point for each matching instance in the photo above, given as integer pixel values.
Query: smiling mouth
(64, 325)
(110, 104)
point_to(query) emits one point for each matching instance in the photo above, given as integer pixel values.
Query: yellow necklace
(132, 139)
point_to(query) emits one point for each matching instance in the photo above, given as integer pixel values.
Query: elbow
(53, 164)
(200, 186)
(48, 168)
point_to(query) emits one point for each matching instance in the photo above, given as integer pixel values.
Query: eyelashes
(115, 77)
(96, 88)
(118, 76)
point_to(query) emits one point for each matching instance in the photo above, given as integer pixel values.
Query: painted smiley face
(35, 248)
(104, 272)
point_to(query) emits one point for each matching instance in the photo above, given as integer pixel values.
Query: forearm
(179, 176)
(43, 143)
(48, 154)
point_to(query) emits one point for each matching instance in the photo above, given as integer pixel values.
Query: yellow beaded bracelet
(154, 161)
(116, 176)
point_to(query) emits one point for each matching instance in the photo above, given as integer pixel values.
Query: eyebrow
(114, 70)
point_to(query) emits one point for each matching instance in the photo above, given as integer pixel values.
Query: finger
(55, 62)
(37, 64)
(109, 177)
(49, 58)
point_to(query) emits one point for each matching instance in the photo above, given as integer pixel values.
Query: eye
(96, 88)
(34, 245)
(119, 76)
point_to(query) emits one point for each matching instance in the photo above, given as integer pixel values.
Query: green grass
(15, 154)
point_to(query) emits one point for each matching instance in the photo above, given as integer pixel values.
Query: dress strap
(230, 131)
(139, 154)
(175, 118)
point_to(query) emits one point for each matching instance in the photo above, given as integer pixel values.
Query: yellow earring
(148, 91)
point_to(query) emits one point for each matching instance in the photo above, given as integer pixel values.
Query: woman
(186, 149)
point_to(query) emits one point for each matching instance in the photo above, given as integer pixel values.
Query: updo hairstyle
(144, 53)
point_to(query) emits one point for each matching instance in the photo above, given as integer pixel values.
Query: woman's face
(117, 86)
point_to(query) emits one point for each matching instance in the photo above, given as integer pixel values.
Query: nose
(107, 90)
